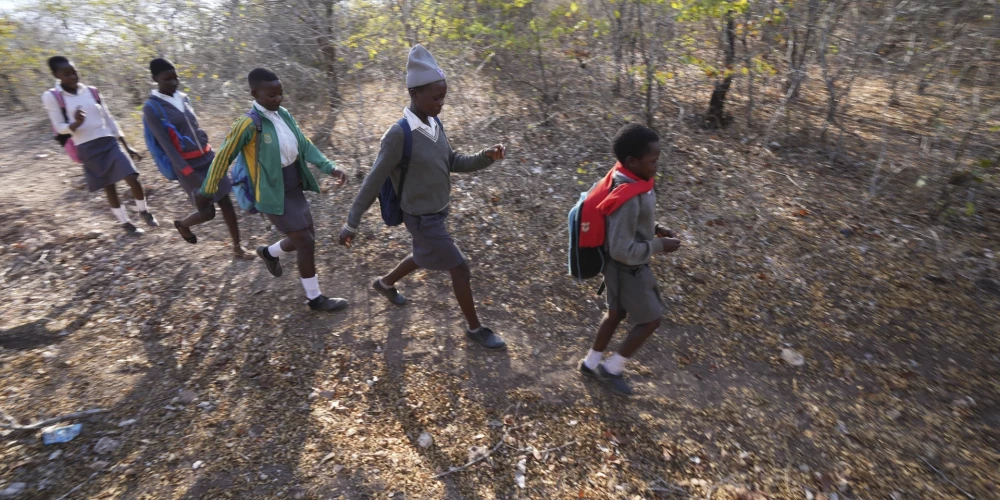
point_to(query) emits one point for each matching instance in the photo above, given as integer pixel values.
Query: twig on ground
(49, 421)
(935, 469)
(786, 176)
(81, 485)
(482, 457)
(496, 447)
(668, 487)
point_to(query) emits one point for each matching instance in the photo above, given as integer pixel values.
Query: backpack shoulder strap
(407, 142)
(438, 120)
(94, 92)
(404, 162)
(59, 100)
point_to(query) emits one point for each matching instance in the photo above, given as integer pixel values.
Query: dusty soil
(219, 383)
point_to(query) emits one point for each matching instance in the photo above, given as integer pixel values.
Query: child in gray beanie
(427, 192)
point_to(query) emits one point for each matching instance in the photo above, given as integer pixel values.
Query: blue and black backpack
(389, 200)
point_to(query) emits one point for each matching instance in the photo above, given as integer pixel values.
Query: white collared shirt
(98, 122)
(288, 144)
(176, 100)
(416, 124)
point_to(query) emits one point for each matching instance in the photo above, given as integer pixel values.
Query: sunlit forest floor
(219, 383)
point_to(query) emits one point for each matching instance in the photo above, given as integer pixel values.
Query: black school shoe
(486, 338)
(272, 263)
(390, 293)
(150, 220)
(587, 371)
(324, 303)
(131, 230)
(616, 382)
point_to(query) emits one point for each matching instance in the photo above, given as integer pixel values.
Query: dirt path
(220, 382)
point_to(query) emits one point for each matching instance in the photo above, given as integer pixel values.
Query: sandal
(180, 229)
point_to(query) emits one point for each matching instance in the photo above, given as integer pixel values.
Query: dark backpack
(584, 262)
(389, 200)
(242, 185)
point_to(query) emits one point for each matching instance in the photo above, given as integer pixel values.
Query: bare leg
(461, 282)
(637, 336)
(229, 215)
(304, 245)
(607, 329)
(112, 196)
(204, 213)
(133, 183)
(405, 267)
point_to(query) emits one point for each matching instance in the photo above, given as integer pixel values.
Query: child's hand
(670, 244)
(133, 153)
(662, 232)
(340, 176)
(496, 153)
(79, 117)
(346, 237)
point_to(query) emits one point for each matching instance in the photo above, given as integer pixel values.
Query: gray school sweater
(630, 231)
(427, 188)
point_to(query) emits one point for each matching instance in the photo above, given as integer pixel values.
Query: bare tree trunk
(716, 105)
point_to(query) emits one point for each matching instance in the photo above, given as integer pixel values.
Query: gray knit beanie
(421, 68)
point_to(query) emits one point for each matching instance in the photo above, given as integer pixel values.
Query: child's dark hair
(159, 65)
(259, 76)
(56, 61)
(633, 140)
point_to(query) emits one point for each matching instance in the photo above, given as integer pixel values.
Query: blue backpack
(160, 157)
(242, 185)
(389, 200)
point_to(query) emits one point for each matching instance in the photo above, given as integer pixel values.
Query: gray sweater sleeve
(162, 137)
(389, 155)
(620, 233)
(458, 162)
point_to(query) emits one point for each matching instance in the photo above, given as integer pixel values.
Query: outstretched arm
(242, 132)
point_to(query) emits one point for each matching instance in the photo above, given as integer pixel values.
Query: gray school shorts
(633, 290)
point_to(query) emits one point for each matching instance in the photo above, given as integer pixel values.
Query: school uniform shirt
(427, 189)
(177, 100)
(416, 125)
(97, 124)
(288, 144)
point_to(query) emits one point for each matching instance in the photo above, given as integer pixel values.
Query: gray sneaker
(616, 382)
(486, 338)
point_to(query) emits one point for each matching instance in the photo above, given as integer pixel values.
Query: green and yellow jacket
(265, 171)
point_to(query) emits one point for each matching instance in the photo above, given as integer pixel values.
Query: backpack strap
(404, 162)
(258, 125)
(438, 120)
(62, 102)
(94, 92)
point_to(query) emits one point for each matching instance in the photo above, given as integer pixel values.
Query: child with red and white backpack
(622, 208)
(90, 136)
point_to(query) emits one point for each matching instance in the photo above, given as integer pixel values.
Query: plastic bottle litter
(65, 434)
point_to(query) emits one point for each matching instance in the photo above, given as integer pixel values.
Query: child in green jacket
(279, 177)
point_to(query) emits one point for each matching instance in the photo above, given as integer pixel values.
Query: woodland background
(832, 169)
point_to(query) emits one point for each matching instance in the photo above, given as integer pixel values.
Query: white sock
(615, 365)
(593, 359)
(476, 330)
(141, 205)
(120, 214)
(276, 251)
(311, 286)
